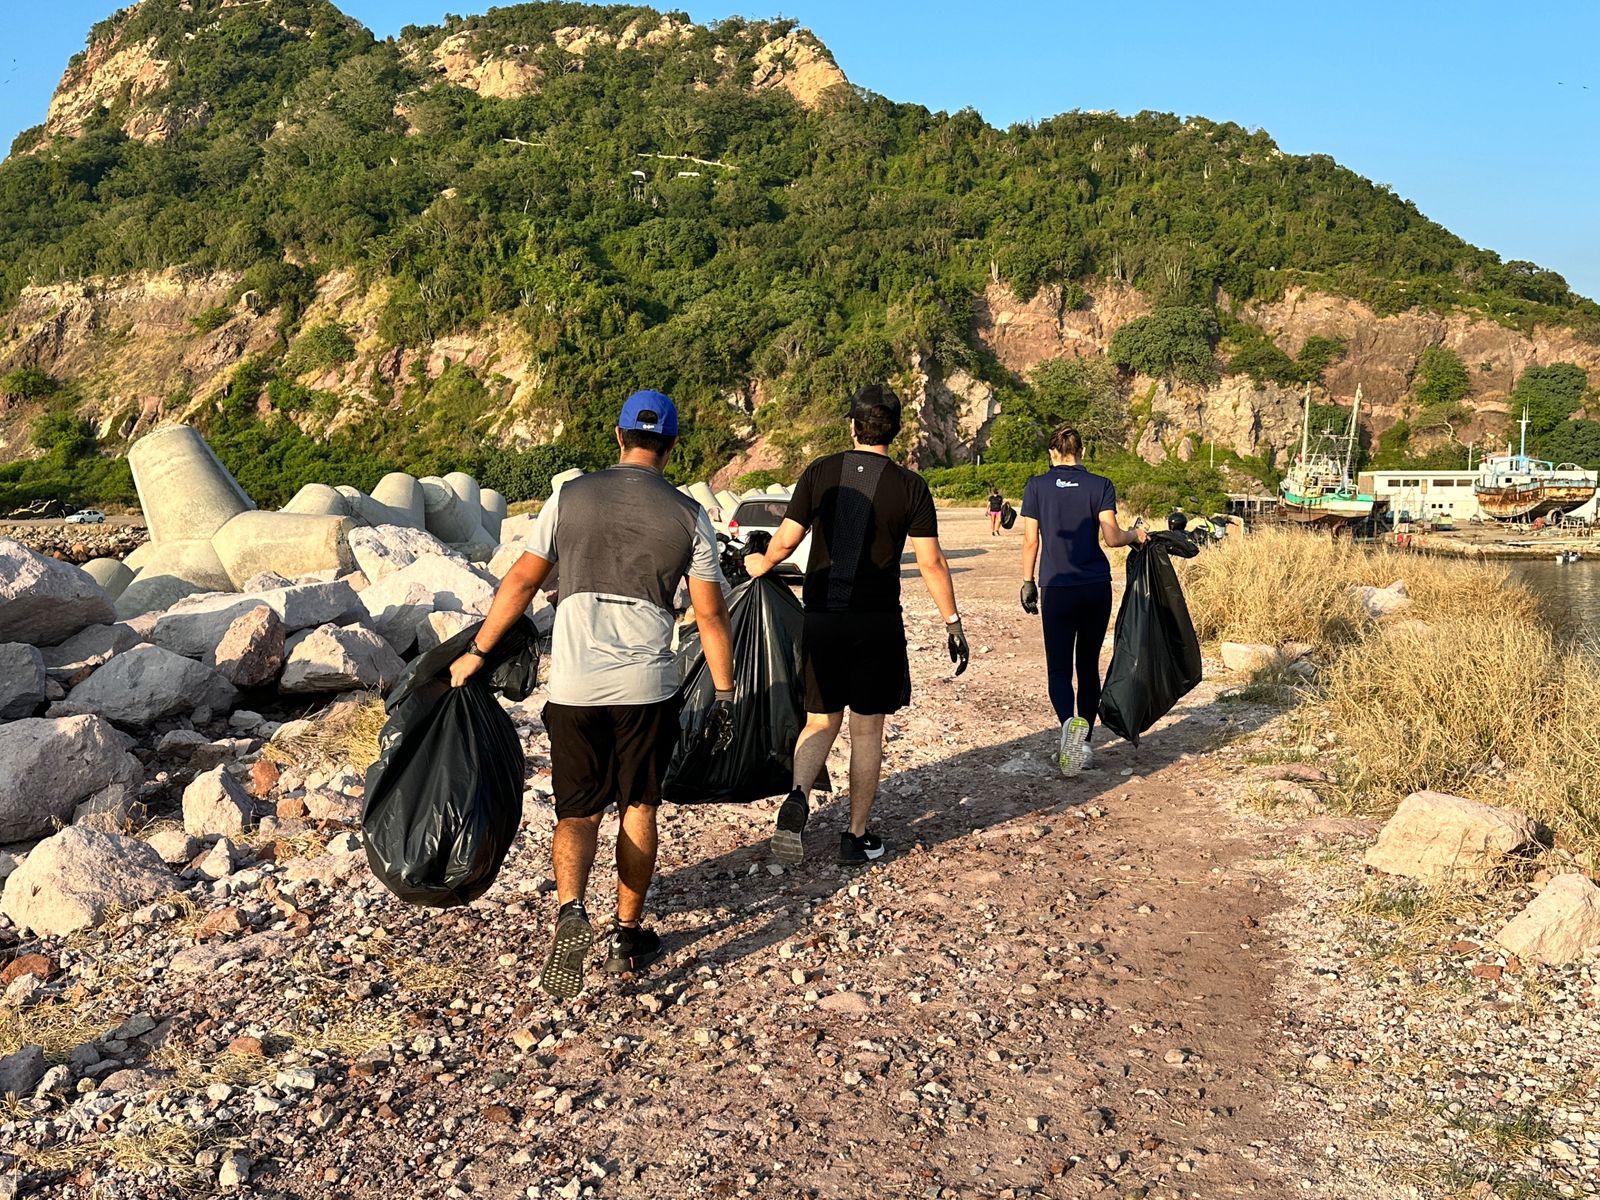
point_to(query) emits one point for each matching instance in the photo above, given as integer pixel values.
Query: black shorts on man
(860, 507)
(605, 753)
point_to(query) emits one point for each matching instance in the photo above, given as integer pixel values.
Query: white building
(1436, 495)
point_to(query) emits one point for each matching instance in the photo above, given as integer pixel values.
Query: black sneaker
(788, 846)
(632, 949)
(861, 851)
(562, 976)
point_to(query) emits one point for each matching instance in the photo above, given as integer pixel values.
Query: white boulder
(51, 765)
(71, 662)
(335, 658)
(384, 549)
(1560, 925)
(216, 804)
(1434, 835)
(73, 880)
(193, 626)
(1251, 658)
(44, 601)
(1382, 602)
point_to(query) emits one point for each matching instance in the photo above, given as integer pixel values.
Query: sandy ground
(1054, 988)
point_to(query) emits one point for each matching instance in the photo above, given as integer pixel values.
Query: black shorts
(609, 754)
(856, 661)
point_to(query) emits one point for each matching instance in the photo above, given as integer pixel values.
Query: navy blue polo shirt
(1067, 503)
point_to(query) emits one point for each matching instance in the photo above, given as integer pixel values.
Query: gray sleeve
(703, 559)
(542, 541)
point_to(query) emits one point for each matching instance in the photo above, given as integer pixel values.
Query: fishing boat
(1319, 488)
(1515, 487)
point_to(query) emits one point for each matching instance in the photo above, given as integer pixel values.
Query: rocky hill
(331, 249)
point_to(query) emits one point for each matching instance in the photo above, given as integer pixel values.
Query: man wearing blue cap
(625, 539)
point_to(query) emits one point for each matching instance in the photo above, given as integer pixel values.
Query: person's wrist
(725, 694)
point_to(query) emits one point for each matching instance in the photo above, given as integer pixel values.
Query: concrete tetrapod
(402, 495)
(494, 512)
(112, 574)
(316, 499)
(448, 518)
(186, 493)
(291, 544)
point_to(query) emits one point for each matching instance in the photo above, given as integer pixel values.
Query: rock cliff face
(795, 62)
(106, 75)
(1381, 355)
(133, 349)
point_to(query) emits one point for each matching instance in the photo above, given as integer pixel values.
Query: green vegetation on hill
(826, 248)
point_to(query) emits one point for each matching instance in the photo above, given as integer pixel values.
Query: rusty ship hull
(1530, 501)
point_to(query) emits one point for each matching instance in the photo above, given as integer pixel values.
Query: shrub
(521, 475)
(28, 383)
(211, 318)
(764, 478)
(1170, 343)
(323, 345)
(1015, 439)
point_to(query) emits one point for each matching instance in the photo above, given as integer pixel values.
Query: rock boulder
(44, 601)
(1382, 602)
(1560, 925)
(336, 658)
(75, 879)
(22, 680)
(384, 549)
(147, 683)
(71, 662)
(250, 653)
(1251, 658)
(51, 765)
(216, 804)
(1433, 835)
(193, 626)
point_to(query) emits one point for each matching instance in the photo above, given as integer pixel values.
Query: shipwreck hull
(1533, 501)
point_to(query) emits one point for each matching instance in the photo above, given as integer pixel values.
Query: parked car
(87, 516)
(763, 514)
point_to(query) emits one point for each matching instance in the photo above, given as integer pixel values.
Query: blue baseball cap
(651, 412)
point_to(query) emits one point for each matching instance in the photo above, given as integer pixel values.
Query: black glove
(717, 733)
(960, 652)
(1030, 598)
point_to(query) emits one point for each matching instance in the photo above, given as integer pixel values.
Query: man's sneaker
(631, 949)
(788, 844)
(562, 976)
(1075, 753)
(860, 851)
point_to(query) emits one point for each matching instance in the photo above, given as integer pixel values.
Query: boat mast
(1350, 437)
(1305, 429)
(1522, 450)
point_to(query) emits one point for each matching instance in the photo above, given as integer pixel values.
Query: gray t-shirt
(624, 539)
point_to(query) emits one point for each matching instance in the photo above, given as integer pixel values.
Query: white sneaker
(1074, 754)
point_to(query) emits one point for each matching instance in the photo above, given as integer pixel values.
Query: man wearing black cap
(625, 539)
(860, 507)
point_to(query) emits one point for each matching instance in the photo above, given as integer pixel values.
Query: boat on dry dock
(1515, 487)
(1319, 487)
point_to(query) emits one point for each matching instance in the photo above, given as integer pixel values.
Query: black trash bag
(1008, 515)
(1155, 656)
(444, 798)
(769, 703)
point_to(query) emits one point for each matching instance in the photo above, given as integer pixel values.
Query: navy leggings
(1075, 620)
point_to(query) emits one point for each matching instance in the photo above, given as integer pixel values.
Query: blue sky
(1487, 115)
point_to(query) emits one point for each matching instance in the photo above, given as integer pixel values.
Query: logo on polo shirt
(1066, 483)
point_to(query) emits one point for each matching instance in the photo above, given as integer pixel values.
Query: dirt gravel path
(1055, 988)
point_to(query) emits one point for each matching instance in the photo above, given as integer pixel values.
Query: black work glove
(717, 733)
(1030, 598)
(960, 652)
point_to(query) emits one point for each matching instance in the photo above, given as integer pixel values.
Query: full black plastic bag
(444, 798)
(769, 703)
(1008, 515)
(1155, 656)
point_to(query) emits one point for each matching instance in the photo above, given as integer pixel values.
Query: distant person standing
(861, 507)
(1066, 512)
(625, 539)
(997, 505)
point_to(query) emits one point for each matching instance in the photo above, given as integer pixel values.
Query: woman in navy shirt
(1066, 512)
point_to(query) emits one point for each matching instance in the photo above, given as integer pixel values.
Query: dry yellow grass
(1291, 585)
(346, 735)
(1466, 691)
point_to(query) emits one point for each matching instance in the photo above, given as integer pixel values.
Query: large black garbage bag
(1155, 656)
(769, 704)
(444, 798)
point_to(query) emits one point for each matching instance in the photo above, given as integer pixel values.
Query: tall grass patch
(1466, 690)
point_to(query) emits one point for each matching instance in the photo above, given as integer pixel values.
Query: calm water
(1571, 593)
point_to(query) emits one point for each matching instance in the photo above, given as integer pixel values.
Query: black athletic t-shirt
(860, 508)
